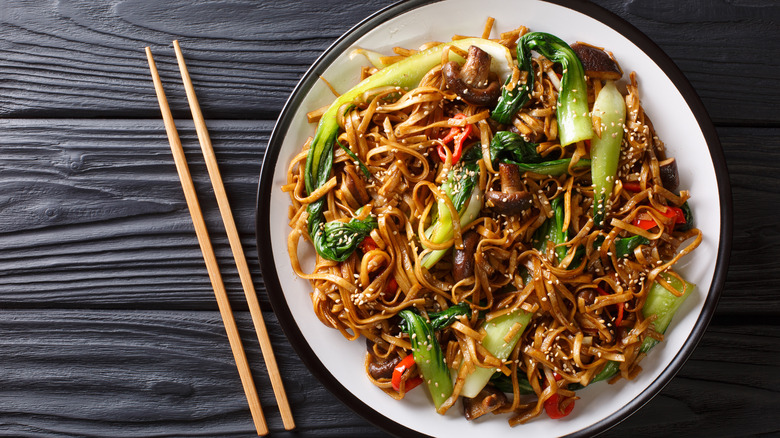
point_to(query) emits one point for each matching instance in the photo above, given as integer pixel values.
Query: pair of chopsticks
(190, 195)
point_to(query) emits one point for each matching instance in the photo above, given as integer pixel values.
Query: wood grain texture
(753, 157)
(721, 46)
(82, 57)
(104, 194)
(146, 373)
(108, 325)
(248, 55)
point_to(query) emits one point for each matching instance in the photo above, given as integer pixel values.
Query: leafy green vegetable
(503, 383)
(664, 304)
(574, 122)
(609, 370)
(337, 240)
(688, 218)
(509, 146)
(557, 234)
(461, 183)
(553, 168)
(539, 239)
(625, 246)
(443, 319)
(512, 100)
(471, 154)
(551, 230)
(428, 356)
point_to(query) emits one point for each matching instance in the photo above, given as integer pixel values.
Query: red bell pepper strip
(392, 286)
(390, 289)
(453, 132)
(552, 406)
(619, 318)
(368, 244)
(413, 383)
(557, 408)
(398, 372)
(459, 135)
(632, 186)
(644, 224)
(675, 213)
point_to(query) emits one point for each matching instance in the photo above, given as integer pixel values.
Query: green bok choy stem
(609, 112)
(428, 357)
(497, 329)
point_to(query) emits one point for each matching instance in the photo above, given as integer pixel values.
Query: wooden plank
(92, 214)
(139, 374)
(753, 157)
(86, 59)
(82, 59)
(148, 373)
(721, 46)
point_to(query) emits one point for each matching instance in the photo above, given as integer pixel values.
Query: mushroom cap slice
(509, 203)
(473, 82)
(488, 400)
(597, 63)
(463, 259)
(511, 199)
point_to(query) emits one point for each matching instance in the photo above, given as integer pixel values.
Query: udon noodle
(585, 298)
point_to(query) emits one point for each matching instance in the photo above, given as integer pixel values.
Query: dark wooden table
(108, 324)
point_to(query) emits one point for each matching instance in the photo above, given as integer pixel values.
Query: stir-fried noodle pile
(585, 294)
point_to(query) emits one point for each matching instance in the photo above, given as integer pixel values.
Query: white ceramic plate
(679, 118)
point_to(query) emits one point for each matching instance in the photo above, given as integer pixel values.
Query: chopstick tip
(149, 57)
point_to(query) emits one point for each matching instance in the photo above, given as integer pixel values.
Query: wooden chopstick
(235, 243)
(191, 197)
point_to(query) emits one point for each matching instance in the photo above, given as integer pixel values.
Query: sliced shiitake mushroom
(511, 199)
(383, 369)
(488, 400)
(597, 63)
(463, 259)
(670, 177)
(473, 81)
